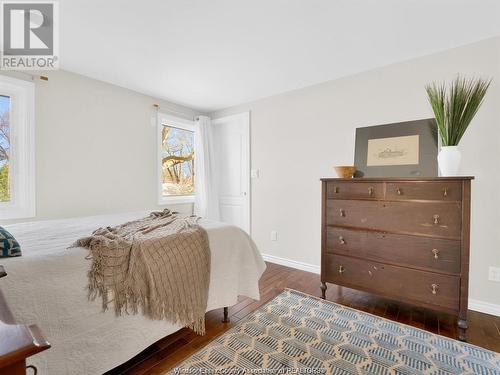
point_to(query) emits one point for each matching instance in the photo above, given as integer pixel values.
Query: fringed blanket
(159, 265)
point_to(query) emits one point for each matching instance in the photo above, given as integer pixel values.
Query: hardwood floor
(484, 330)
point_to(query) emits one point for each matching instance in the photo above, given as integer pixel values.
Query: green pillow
(9, 247)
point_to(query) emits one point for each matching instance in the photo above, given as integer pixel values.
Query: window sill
(176, 200)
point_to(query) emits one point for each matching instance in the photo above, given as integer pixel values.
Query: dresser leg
(323, 290)
(462, 327)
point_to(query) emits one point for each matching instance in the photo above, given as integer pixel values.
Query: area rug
(299, 333)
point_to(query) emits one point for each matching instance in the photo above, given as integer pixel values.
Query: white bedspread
(46, 286)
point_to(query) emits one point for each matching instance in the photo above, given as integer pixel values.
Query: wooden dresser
(402, 238)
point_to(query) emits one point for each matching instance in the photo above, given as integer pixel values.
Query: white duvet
(46, 286)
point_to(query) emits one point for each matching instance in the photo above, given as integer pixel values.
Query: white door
(232, 154)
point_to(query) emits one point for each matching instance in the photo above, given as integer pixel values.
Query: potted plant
(454, 109)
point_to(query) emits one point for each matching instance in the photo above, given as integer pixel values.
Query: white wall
(95, 147)
(298, 136)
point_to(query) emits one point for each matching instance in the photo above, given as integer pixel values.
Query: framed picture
(397, 150)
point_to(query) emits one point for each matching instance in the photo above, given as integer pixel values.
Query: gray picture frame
(426, 130)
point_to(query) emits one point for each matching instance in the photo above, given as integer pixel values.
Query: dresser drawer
(354, 190)
(436, 254)
(400, 283)
(424, 218)
(440, 191)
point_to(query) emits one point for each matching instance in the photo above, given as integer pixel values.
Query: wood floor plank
(484, 330)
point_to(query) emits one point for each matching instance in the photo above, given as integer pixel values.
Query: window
(176, 160)
(17, 159)
(4, 148)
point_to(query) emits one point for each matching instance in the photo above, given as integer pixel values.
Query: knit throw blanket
(159, 265)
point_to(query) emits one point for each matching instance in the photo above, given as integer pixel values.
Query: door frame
(244, 117)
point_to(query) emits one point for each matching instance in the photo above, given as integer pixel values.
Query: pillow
(9, 247)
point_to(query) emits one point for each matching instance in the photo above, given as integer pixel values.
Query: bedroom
(267, 98)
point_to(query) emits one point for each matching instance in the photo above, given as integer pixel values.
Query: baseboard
(484, 307)
(292, 263)
(474, 304)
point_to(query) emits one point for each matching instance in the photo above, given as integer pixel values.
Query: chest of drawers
(402, 238)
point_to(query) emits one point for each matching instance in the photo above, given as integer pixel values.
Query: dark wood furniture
(17, 342)
(402, 238)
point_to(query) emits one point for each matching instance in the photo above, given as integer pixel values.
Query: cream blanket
(46, 287)
(159, 264)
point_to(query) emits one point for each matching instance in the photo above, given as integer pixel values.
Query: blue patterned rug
(313, 336)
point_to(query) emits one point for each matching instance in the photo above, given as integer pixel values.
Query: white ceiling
(214, 54)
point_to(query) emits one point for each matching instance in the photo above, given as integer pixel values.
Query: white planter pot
(449, 160)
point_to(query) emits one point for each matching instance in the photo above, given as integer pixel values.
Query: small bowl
(345, 171)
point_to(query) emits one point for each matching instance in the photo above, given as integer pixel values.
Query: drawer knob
(435, 288)
(370, 191)
(436, 253)
(341, 240)
(399, 191)
(342, 212)
(341, 269)
(336, 189)
(436, 219)
(445, 192)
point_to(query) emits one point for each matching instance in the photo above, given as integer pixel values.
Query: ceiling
(214, 54)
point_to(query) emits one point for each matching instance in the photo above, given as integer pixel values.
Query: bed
(47, 285)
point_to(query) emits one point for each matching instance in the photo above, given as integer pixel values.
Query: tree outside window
(177, 153)
(5, 145)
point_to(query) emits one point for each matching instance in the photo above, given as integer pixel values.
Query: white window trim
(177, 122)
(22, 165)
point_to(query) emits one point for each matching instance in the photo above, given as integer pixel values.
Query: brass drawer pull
(445, 192)
(342, 212)
(436, 219)
(399, 191)
(341, 240)
(436, 253)
(435, 288)
(370, 191)
(341, 269)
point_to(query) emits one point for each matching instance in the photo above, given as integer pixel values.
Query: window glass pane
(177, 161)
(4, 148)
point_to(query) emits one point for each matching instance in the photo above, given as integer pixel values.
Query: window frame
(22, 146)
(180, 123)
